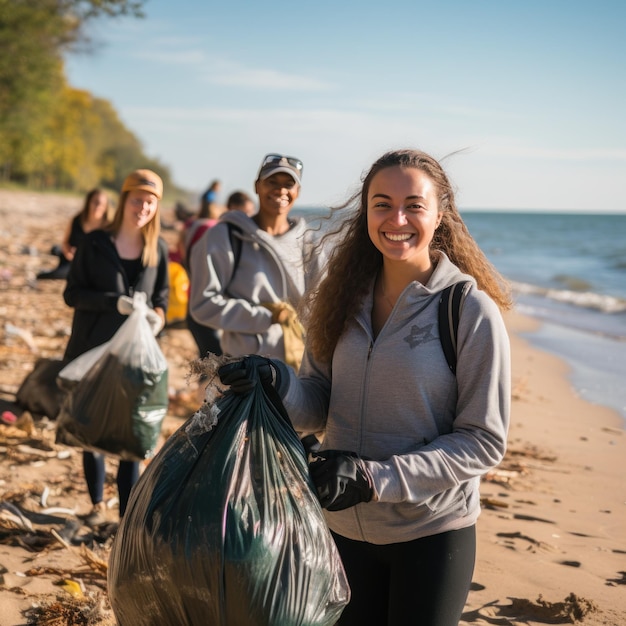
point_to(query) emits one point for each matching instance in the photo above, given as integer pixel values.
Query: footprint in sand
(521, 610)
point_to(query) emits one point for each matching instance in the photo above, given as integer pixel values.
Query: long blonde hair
(150, 232)
(354, 260)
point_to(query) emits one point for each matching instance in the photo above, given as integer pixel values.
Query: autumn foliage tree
(52, 135)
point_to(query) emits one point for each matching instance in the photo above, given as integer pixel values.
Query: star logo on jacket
(420, 335)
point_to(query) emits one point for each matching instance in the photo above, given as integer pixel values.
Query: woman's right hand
(242, 375)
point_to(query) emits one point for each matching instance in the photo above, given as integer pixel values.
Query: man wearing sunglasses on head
(251, 272)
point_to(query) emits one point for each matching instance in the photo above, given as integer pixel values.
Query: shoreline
(596, 368)
(550, 537)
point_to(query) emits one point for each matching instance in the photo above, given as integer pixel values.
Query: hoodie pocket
(451, 500)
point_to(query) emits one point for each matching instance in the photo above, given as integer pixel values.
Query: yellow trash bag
(179, 293)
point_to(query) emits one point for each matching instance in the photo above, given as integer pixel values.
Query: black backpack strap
(450, 305)
(235, 244)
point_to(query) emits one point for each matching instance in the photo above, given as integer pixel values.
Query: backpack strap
(235, 245)
(450, 306)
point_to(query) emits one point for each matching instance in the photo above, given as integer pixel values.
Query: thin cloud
(218, 70)
(259, 78)
(556, 154)
(194, 115)
(225, 72)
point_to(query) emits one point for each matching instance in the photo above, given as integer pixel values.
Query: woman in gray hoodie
(249, 273)
(405, 439)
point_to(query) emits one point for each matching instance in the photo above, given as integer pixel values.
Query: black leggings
(95, 474)
(423, 582)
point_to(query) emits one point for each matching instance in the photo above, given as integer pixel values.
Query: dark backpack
(450, 305)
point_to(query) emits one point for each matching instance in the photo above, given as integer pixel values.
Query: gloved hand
(341, 479)
(243, 375)
(293, 331)
(155, 321)
(125, 305)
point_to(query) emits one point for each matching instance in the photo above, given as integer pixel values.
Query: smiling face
(402, 214)
(277, 194)
(139, 208)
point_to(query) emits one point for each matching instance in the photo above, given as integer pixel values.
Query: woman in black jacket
(108, 268)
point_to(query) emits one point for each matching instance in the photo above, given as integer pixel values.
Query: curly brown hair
(354, 260)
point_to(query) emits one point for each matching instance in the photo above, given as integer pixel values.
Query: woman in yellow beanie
(111, 265)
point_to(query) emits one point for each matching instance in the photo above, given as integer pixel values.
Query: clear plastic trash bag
(224, 527)
(117, 393)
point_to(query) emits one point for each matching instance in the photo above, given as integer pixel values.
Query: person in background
(405, 440)
(193, 229)
(94, 214)
(209, 206)
(111, 265)
(241, 201)
(208, 339)
(249, 273)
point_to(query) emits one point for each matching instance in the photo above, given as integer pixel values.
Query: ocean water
(568, 270)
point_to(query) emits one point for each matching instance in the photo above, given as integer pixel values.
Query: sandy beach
(551, 538)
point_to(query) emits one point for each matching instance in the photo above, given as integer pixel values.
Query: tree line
(53, 136)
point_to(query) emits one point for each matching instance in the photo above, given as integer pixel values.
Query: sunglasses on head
(277, 158)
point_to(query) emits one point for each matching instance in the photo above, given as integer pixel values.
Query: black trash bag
(224, 527)
(39, 392)
(117, 406)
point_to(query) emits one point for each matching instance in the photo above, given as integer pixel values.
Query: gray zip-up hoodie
(270, 269)
(429, 436)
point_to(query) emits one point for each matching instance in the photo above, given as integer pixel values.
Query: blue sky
(532, 93)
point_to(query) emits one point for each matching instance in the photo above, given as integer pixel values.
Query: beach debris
(493, 503)
(23, 426)
(8, 433)
(612, 430)
(64, 610)
(67, 533)
(58, 510)
(38, 452)
(11, 518)
(502, 476)
(73, 587)
(44, 496)
(532, 518)
(510, 541)
(29, 250)
(25, 335)
(8, 417)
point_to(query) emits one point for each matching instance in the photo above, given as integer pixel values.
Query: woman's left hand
(341, 479)
(155, 320)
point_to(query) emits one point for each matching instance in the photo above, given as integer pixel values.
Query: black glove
(244, 374)
(341, 479)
